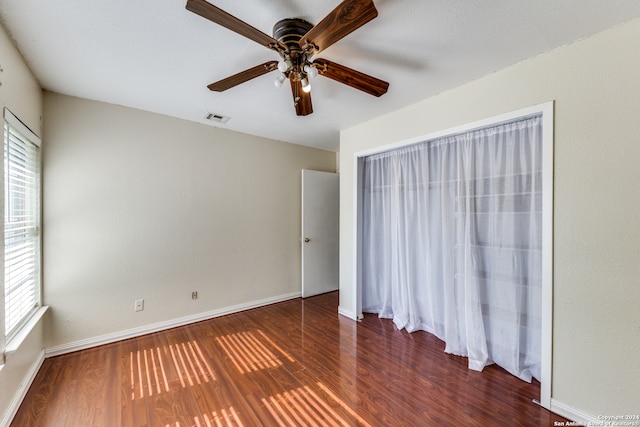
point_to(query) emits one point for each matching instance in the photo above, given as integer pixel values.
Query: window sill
(16, 341)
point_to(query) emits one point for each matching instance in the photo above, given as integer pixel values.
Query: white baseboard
(576, 415)
(347, 313)
(161, 326)
(20, 394)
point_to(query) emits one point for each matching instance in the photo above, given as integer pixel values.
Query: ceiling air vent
(217, 118)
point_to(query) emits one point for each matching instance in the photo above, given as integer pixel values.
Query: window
(21, 224)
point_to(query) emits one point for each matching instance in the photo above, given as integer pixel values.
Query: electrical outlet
(139, 305)
(194, 295)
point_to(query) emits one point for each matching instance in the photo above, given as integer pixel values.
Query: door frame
(546, 110)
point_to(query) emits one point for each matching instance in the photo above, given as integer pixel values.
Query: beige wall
(143, 206)
(20, 93)
(596, 87)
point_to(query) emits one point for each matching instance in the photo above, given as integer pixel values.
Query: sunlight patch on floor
(152, 370)
(250, 351)
(223, 418)
(303, 407)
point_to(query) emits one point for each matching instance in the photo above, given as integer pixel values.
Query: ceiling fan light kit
(297, 42)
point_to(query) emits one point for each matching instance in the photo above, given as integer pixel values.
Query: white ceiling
(155, 55)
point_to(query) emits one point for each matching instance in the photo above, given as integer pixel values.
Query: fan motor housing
(288, 31)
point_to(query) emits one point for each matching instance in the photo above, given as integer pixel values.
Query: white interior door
(320, 217)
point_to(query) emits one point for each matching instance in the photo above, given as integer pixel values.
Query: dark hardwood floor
(295, 363)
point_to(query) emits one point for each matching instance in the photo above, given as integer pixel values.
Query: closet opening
(454, 237)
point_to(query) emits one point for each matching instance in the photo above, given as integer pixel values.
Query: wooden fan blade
(301, 99)
(243, 76)
(343, 20)
(350, 77)
(220, 17)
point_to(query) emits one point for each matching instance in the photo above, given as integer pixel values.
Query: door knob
(307, 240)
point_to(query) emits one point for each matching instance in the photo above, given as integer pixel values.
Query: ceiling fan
(297, 42)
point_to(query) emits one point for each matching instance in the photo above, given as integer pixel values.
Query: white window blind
(21, 224)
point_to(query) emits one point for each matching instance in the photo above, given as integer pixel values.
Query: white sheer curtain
(452, 239)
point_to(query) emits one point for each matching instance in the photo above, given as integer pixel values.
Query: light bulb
(283, 66)
(280, 80)
(312, 72)
(306, 86)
